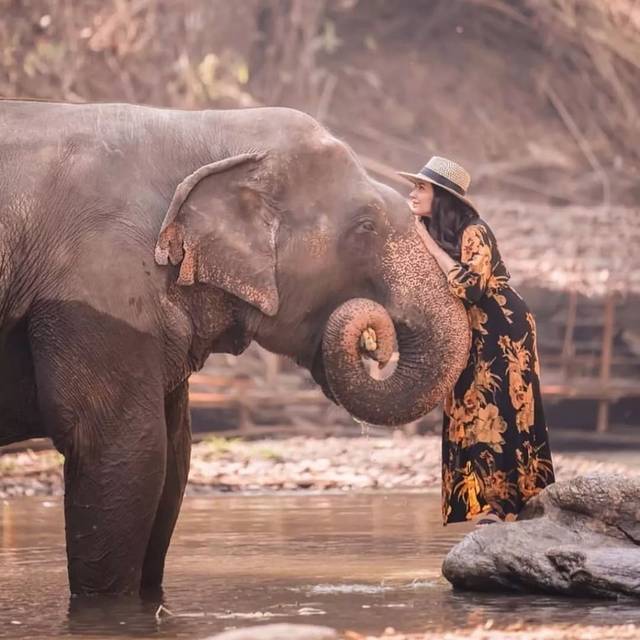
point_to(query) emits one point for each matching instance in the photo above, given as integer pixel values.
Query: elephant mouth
(319, 374)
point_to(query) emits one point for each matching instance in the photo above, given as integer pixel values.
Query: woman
(495, 451)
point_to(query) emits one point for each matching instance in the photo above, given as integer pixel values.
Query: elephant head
(318, 252)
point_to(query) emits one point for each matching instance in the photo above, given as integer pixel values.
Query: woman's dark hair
(449, 217)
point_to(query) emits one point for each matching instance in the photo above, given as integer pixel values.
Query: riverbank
(397, 462)
(483, 632)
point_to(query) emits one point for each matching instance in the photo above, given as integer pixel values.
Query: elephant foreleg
(111, 497)
(104, 411)
(177, 470)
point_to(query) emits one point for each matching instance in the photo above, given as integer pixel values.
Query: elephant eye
(366, 226)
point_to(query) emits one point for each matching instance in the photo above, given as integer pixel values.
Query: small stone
(279, 632)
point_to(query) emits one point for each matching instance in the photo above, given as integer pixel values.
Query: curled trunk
(432, 354)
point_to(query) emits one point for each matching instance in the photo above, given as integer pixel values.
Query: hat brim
(418, 177)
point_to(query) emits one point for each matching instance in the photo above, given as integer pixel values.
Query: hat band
(441, 180)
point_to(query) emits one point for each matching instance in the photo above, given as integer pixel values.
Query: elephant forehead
(323, 142)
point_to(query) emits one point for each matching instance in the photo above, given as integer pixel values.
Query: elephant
(135, 241)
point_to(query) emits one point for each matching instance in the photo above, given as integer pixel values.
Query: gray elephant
(136, 241)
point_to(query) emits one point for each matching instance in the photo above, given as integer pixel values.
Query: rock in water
(579, 537)
(279, 632)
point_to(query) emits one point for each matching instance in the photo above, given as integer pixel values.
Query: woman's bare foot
(491, 517)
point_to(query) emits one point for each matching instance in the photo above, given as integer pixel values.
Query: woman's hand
(425, 236)
(444, 260)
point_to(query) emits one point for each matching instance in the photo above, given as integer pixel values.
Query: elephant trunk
(428, 364)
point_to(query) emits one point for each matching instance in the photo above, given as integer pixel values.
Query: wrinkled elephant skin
(136, 241)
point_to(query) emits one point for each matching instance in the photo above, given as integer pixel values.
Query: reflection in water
(112, 615)
(358, 561)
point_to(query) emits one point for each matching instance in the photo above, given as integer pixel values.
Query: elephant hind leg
(19, 414)
(177, 469)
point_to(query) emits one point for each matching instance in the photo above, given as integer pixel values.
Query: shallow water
(351, 561)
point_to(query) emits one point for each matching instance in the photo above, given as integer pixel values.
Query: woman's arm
(468, 278)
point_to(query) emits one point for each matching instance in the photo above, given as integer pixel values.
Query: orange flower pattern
(495, 446)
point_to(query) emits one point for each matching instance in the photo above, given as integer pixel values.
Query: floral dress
(495, 447)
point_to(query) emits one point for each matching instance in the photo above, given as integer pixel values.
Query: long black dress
(495, 447)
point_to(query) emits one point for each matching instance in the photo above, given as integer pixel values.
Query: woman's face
(420, 199)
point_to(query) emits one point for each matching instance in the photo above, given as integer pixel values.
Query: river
(361, 561)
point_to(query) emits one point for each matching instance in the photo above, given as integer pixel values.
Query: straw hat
(446, 174)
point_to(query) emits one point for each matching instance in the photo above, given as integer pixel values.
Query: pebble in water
(279, 632)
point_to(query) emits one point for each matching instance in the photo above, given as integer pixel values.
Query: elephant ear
(221, 229)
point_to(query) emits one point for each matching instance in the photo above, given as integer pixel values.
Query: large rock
(279, 632)
(580, 537)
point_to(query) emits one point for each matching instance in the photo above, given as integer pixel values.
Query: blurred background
(539, 99)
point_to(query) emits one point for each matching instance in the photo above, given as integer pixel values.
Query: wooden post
(272, 367)
(7, 524)
(605, 360)
(568, 348)
(244, 417)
